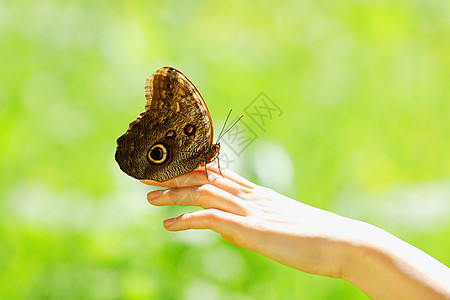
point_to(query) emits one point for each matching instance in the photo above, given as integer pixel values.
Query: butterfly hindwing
(171, 137)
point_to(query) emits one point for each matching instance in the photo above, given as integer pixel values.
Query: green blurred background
(364, 88)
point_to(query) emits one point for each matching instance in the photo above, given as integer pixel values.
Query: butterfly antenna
(223, 127)
(223, 134)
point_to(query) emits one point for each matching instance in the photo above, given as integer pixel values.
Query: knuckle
(191, 196)
(213, 216)
(206, 190)
(187, 219)
(244, 192)
(181, 196)
(172, 195)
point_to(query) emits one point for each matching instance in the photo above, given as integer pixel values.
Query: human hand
(303, 237)
(257, 219)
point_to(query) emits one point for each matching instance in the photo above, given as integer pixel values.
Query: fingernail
(169, 222)
(155, 194)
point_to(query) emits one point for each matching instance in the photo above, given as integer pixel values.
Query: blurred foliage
(364, 88)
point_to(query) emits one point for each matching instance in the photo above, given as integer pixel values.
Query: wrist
(366, 259)
(347, 244)
(360, 248)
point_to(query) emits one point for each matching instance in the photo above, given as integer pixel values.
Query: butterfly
(173, 136)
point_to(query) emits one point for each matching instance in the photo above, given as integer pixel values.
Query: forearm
(385, 267)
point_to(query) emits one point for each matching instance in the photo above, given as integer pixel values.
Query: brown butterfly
(173, 136)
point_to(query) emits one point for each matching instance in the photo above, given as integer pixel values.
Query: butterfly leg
(206, 172)
(218, 164)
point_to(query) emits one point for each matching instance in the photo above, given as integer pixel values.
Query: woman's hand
(257, 219)
(303, 237)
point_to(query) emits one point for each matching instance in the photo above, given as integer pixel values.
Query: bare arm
(303, 237)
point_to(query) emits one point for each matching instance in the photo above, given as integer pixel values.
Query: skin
(301, 236)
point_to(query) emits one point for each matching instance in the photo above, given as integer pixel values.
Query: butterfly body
(174, 134)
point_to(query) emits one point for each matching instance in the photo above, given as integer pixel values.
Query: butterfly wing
(169, 138)
(159, 92)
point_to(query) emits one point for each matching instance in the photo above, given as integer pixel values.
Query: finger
(199, 177)
(216, 220)
(227, 173)
(154, 182)
(196, 177)
(205, 196)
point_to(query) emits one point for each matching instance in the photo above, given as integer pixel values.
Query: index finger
(199, 177)
(196, 177)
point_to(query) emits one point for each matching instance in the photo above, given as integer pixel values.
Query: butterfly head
(213, 153)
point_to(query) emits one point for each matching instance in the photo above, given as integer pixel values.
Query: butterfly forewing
(172, 136)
